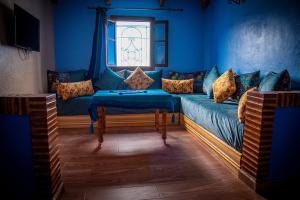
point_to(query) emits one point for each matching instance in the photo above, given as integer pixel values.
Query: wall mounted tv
(27, 30)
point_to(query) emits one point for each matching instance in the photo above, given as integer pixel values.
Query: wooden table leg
(164, 126)
(101, 126)
(157, 120)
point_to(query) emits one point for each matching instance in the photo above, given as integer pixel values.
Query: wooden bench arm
(257, 140)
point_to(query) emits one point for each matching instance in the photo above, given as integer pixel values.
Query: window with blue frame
(136, 41)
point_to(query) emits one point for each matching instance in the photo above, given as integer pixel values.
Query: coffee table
(159, 100)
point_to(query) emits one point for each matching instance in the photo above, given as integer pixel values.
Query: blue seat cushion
(219, 119)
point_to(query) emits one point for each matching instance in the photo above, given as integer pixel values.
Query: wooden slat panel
(257, 141)
(42, 111)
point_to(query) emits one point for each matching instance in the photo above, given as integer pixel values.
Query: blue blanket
(134, 99)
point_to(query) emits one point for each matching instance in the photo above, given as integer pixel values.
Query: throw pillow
(155, 75)
(54, 78)
(109, 80)
(244, 82)
(78, 75)
(138, 80)
(178, 86)
(122, 73)
(242, 105)
(197, 76)
(276, 82)
(224, 86)
(284, 83)
(269, 82)
(75, 89)
(209, 80)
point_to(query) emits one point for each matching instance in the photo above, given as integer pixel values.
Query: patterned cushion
(209, 80)
(156, 75)
(244, 82)
(54, 78)
(70, 90)
(197, 76)
(242, 105)
(110, 80)
(224, 86)
(178, 86)
(138, 80)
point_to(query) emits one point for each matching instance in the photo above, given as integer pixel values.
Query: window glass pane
(111, 43)
(133, 43)
(159, 53)
(159, 32)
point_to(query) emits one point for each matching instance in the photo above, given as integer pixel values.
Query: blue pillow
(109, 80)
(276, 82)
(269, 82)
(244, 82)
(78, 75)
(155, 75)
(209, 80)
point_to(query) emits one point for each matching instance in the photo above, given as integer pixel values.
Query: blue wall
(259, 34)
(74, 26)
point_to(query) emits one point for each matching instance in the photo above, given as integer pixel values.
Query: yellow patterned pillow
(70, 90)
(138, 80)
(242, 105)
(178, 86)
(224, 86)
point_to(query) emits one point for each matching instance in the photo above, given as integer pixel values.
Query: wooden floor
(135, 164)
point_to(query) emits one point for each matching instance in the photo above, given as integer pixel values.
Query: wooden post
(157, 119)
(45, 149)
(257, 140)
(164, 126)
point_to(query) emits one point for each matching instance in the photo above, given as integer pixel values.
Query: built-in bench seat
(219, 119)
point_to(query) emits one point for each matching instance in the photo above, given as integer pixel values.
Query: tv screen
(27, 30)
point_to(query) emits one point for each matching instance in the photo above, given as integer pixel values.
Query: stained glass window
(133, 46)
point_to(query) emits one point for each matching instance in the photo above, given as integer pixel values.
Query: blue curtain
(97, 58)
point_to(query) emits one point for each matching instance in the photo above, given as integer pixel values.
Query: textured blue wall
(74, 26)
(259, 34)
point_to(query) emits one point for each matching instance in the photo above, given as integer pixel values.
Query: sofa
(244, 147)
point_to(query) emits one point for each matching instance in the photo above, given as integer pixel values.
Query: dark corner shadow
(6, 25)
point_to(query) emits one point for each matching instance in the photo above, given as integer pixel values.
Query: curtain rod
(154, 9)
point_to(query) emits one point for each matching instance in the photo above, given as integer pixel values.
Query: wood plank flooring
(135, 165)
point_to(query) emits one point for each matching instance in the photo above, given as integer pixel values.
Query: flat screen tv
(27, 30)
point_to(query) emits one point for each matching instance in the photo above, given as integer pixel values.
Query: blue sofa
(219, 119)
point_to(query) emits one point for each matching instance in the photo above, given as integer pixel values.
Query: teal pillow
(209, 80)
(269, 82)
(78, 75)
(155, 75)
(276, 82)
(109, 80)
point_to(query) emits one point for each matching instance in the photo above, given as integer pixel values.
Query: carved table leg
(164, 126)
(157, 120)
(101, 126)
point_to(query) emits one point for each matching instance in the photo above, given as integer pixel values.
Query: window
(136, 41)
(133, 43)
